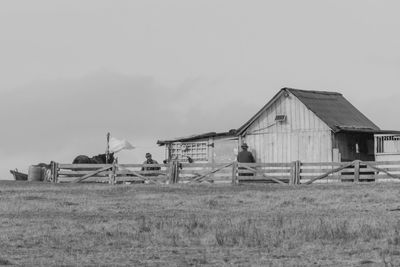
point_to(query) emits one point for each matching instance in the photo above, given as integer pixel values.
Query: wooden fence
(292, 173)
(306, 173)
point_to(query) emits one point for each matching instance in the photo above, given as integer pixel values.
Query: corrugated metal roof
(197, 137)
(331, 107)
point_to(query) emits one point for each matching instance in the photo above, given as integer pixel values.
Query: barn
(310, 126)
(304, 125)
(211, 147)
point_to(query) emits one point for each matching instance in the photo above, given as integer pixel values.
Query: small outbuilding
(209, 147)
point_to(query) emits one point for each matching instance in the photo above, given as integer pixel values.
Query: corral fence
(292, 173)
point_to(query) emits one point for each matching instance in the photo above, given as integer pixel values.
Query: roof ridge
(312, 91)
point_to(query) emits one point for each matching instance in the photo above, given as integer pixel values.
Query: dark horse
(99, 159)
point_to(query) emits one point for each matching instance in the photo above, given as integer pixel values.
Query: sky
(73, 70)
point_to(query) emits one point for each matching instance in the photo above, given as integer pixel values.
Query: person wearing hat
(245, 156)
(149, 160)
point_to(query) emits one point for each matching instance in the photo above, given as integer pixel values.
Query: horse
(99, 159)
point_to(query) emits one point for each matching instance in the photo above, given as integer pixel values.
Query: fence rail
(176, 172)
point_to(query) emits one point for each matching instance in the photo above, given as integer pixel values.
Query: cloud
(58, 119)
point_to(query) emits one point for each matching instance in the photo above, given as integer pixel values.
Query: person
(149, 160)
(245, 156)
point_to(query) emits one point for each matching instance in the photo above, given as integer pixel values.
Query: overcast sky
(70, 71)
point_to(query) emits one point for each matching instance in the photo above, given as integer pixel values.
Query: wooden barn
(310, 126)
(209, 147)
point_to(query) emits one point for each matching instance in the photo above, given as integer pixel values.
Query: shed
(310, 126)
(211, 147)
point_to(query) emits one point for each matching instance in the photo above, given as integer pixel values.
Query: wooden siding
(302, 136)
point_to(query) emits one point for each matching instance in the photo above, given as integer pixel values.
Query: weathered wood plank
(124, 172)
(374, 163)
(327, 164)
(342, 178)
(201, 172)
(382, 170)
(347, 177)
(81, 173)
(142, 165)
(356, 170)
(92, 174)
(284, 181)
(266, 177)
(82, 166)
(234, 172)
(269, 177)
(330, 172)
(297, 172)
(129, 178)
(90, 179)
(316, 171)
(286, 170)
(211, 172)
(107, 172)
(388, 169)
(252, 165)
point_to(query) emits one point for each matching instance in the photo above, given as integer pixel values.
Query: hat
(148, 155)
(244, 145)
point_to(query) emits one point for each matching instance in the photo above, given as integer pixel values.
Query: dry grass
(268, 225)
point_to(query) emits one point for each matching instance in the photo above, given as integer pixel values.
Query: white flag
(116, 145)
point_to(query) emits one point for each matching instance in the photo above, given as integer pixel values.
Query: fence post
(356, 170)
(297, 172)
(54, 172)
(234, 167)
(292, 179)
(176, 173)
(171, 171)
(114, 171)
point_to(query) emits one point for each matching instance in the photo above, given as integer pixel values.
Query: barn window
(280, 118)
(198, 151)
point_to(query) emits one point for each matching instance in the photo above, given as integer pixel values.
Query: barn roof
(331, 107)
(230, 133)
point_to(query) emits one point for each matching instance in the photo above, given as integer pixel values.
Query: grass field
(199, 225)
